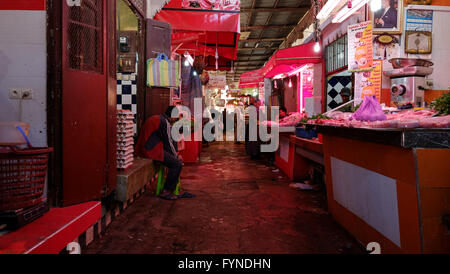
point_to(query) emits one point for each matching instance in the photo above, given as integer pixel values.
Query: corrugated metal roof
(269, 23)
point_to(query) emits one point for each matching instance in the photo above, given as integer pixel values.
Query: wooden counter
(295, 155)
(387, 190)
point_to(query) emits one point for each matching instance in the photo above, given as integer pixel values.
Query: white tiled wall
(23, 65)
(441, 50)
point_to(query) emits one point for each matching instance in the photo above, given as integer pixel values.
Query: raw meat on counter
(404, 119)
(291, 120)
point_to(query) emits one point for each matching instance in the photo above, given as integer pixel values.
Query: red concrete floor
(242, 207)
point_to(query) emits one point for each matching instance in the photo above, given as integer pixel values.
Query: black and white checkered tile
(335, 85)
(127, 93)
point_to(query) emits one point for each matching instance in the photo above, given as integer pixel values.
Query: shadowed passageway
(242, 206)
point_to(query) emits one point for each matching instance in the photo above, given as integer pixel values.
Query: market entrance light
(189, 60)
(328, 8)
(317, 47)
(345, 12)
(375, 5)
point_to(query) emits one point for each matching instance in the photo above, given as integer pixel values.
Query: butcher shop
(224, 127)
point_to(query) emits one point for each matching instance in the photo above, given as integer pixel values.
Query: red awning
(251, 79)
(224, 64)
(202, 26)
(287, 60)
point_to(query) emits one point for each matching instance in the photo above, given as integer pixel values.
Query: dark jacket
(390, 18)
(154, 139)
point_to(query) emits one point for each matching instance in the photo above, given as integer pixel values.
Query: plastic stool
(162, 180)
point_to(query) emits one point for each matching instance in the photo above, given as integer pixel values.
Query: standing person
(282, 113)
(345, 94)
(386, 17)
(253, 148)
(155, 142)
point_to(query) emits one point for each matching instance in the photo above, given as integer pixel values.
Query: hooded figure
(155, 142)
(345, 94)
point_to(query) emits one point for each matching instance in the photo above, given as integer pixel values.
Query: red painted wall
(22, 4)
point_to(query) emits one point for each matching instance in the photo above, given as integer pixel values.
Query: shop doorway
(81, 120)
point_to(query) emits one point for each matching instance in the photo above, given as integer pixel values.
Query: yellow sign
(368, 83)
(360, 47)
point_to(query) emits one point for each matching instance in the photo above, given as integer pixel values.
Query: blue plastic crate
(305, 134)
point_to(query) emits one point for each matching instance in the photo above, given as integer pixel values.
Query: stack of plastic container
(125, 142)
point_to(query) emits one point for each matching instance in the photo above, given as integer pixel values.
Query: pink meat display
(404, 119)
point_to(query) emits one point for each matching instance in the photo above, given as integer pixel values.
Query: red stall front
(295, 66)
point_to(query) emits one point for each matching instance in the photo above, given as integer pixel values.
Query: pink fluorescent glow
(346, 12)
(297, 71)
(305, 87)
(279, 76)
(328, 8)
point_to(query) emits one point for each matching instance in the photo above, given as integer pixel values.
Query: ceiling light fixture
(375, 5)
(298, 70)
(317, 47)
(347, 12)
(279, 76)
(316, 25)
(189, 60)
(328, 8)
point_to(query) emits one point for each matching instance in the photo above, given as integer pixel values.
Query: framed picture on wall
(389, 18)
(418, 42)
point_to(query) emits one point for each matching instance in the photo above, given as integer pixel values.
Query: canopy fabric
(289, 59)
(251, 78)
(202, 26)
(224, 64)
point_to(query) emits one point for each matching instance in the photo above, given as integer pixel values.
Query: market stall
(387, 174)
(287, 61)
(292, 70)
(402, 201)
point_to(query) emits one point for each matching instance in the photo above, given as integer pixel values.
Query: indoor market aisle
(241, 207)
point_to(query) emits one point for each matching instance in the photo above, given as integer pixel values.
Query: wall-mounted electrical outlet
(27, 94)
(15, 93)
